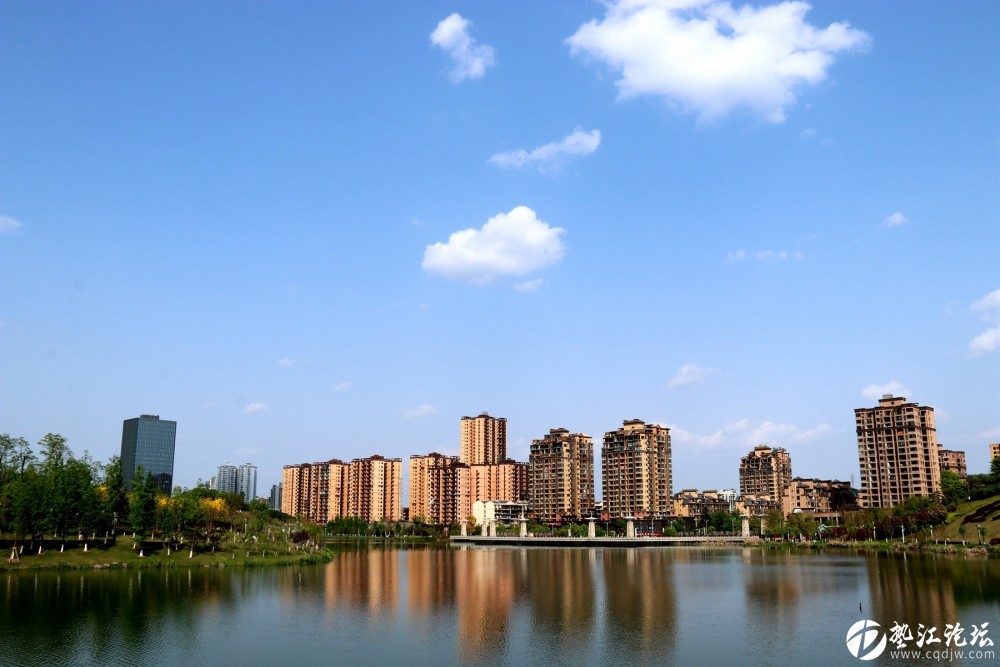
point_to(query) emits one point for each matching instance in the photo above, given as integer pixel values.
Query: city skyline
(283, 225)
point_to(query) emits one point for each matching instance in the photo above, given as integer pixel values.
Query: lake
(384, 605)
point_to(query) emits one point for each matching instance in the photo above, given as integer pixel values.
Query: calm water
(513, 606)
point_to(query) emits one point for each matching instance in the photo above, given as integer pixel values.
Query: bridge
(625, 542)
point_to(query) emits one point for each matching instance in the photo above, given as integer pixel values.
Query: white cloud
(777, 255)
(746, 433)
(286, 362)
(551, 155)
(529, 285)
(252, 408)
(689, 374)
(985, 342)
(895, 220)
(509, 244)
(873, 392)
(420, 411)
(736, 255)
(988, 303)
(342, 386)
(707, 57)
(469, 60)
(9, 225)
(988, 340)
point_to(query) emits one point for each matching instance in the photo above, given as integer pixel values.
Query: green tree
(114, 505)
(142, 501)
(774, 523)
(953, 489)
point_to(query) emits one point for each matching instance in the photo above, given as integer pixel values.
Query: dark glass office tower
(148, 442)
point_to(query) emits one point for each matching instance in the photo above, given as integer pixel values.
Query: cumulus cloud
(873, 392)
(777, 255)
(252, 408)
(286, 362)
(895, 220)
(509, 244)
(707, 57)
(689, 374)
(9, 225)
(985, 342)
(989, 303)
(529, 285)
(989, 340)
(747, 433)
(342, 386)
(551, 156)
(734, 256)
(420, 411)
(469, 60)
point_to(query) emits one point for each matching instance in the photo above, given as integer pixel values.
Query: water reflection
(484, 605)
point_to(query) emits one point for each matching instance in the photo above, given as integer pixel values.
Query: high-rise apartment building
(484, 439)
(315, 490)
(897, 452)
(275, 502)
(373, 487)
(994, 451)
(507, 480)
(225, 479)
(561, 476)
(765, 472)
(949, 459)
(148, 443)
(246, 481)
(439, 489)
(635, 465)
(241, 480)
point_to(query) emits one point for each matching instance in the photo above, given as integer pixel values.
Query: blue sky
(316, 230)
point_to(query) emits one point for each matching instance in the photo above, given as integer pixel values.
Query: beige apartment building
(366, 488)
(506, 480)
(949, 459)
(694, 504)
(561, 476)
(765, 471)
(635, 465)
(484, 439)
(439, 489)
(374, 489)
(994, 451)
(751, 504)
(897, 452)
(824, 498)
(316, 490)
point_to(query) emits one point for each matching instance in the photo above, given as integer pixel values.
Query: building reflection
(640, 599)
(366, 580)
(562, 595)
(487, 582)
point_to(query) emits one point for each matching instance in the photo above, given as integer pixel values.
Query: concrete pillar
(493, 527)
(629, 527)
(763, 526)
(591, 529)
(465, 530)
(524, 527)
(486, 528)
(746, 526)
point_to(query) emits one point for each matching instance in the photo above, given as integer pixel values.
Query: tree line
(55, 493)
